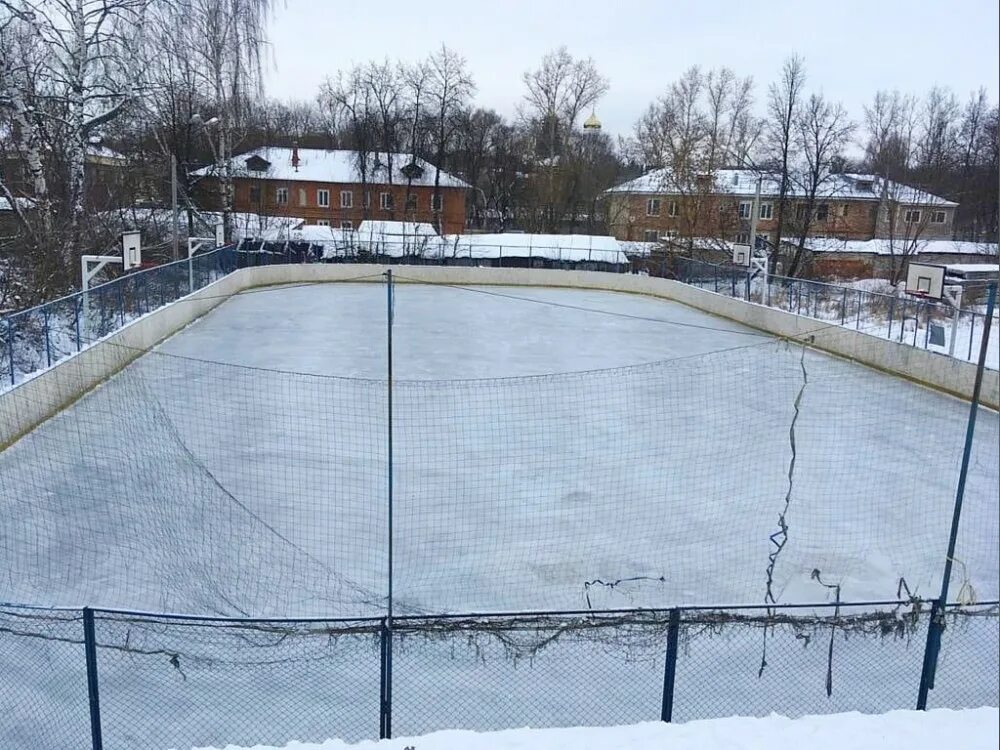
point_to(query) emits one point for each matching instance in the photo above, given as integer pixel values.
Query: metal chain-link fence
(165, 681)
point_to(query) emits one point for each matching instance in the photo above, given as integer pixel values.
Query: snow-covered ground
(254, 474)
(973, 729)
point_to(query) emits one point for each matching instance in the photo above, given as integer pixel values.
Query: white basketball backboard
(131, 250)
(925, 279)
(741, 255)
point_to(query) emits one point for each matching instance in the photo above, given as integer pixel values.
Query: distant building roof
(743, 182)
(883, 247)
(335, 166)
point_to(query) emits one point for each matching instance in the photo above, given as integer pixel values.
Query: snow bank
(971, 729)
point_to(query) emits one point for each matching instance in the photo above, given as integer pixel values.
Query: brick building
(325, 187)
(848, 207)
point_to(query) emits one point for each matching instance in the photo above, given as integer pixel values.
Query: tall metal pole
(387, 708)
(388, 338)
(173, 206)
(937, 608)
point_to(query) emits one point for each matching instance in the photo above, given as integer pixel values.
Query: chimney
(295, 155)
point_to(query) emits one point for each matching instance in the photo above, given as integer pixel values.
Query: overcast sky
(851, 47)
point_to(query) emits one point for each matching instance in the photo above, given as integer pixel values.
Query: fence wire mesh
(172, 682)
(234, 471)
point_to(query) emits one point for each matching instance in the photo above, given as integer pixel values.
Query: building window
(281, 196)
(650, 235)
(346, 225)
(411, 202)
(346, 199)
(845, 209)
(939, 217)
(322, 222)
(255, 193)
(672, 208)
(743, 238)
(302, 197)
(822, 212)
(800, 211)
(653, 207)
(766, 211)
(912, 216)
(366, 199)
(437, 202)
(385, 201)
(323, 198)
(745, 208)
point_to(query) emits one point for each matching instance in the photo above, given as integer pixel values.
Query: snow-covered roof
(964, 268)
(743, 182)
(371, 229)
(334, 166)
(568, 247)
(885, 247)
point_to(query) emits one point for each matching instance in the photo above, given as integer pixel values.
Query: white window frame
(385, 201)
(440, 202)
(646, 235)
(671, 208)
(912, 216)
(347, 225)
(322, 222)
(651, 204)
(347, 199)
(936, 214)
(366, 199)
(746, 209)
(281, 196)
(303, 197)
(766, 214)
(323, 198)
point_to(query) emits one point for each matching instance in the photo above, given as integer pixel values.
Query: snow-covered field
(241, 469)
(975, 729)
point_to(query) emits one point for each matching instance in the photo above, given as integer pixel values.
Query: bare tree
(822, 131)
(557, 93)
(449, 88)
(783, 101)
(347, 102)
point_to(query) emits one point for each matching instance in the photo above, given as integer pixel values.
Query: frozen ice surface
(552, 449)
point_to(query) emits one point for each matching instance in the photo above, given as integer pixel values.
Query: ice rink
(551, 449)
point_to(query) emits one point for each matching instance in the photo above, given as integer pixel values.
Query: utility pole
(173, 206)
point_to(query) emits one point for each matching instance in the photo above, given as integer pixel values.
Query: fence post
(670, 666)
(843, 307)
(76, 321)
(748, 286)
(90, 651)
(48, 345)
(936, 625)
(10, 347)
(121, 300)
(385, 681)
(892, 309)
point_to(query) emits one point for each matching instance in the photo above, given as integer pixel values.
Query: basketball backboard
(741, 255)
(925, 280)
(131, 250)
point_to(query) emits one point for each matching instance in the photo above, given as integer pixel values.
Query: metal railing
(34, 339)
(116, 678)
(904, 319)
